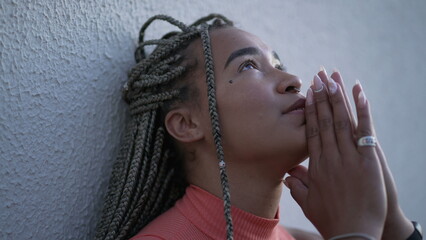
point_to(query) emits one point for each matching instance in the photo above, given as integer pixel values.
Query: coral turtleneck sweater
(199, 215)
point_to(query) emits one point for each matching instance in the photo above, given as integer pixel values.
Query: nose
(289, 84)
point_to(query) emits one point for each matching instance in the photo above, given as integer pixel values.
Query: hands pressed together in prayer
(348, 187)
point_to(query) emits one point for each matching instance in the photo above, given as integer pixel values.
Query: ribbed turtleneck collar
(205, 211)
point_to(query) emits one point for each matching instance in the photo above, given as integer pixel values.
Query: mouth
(296, 107)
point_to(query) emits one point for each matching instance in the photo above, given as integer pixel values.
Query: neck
(253, 190)
(257, 196)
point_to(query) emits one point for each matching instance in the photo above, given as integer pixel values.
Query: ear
(183, 125)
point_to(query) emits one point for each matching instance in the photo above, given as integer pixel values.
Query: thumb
(298, 190)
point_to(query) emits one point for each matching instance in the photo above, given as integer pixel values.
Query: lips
(298, 105)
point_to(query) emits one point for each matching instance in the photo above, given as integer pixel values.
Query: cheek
(248, 102)
(246, 110)
(253, 126)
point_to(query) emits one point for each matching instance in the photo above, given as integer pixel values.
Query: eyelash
(251, 61)
(281, 67)
(245, 64)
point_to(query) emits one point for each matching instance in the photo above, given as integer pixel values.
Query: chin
(299, 162)
(283, 165)
(296, 160)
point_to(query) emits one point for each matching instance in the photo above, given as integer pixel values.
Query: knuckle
(337, 99)
(312, 131)
(310, 110)
(363, 114)
(329, 154)
(321, 98)
(325, 123)
(312, 175)
(342, 125)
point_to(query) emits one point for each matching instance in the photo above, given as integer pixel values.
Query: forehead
(227, 40)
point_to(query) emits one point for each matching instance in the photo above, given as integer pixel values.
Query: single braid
(214, 116)
(146, 178)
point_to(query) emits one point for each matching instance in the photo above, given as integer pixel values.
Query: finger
(323, 75)
(300, 172)
(298, 191)
(325, 117)
(341, 118)
(337, 77)
(386, 171)
(327, 80)
(365, 124)
(312, 131)
(389, 181)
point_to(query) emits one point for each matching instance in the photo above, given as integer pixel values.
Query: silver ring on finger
(367, 141)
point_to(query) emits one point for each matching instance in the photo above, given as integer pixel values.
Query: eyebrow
(242, 52)
(247, 51)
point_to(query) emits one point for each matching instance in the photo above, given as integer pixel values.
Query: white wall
(62, 64)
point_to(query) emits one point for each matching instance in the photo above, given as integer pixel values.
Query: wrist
(397, 226)
(417, 234)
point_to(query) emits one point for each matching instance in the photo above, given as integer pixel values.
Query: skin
(262, 141)
(396, 225)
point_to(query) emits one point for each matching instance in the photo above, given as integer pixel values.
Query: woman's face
(260, 110)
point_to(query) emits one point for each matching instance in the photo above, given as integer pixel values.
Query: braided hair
(147, 177)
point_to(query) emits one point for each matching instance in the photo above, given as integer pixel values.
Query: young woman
(216, 123)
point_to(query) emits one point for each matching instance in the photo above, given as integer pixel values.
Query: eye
(281, 67)
(247, 65)
(278, 64)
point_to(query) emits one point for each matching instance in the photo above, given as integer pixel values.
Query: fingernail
(309, 97)
(357, 82)
(362, 99)
(317, 83)
(322, 68)
(285, 183)
(332, 86)
(335, 70)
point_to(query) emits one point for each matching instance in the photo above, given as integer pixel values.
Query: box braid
(147, 177)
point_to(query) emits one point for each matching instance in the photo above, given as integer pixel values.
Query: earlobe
(182, 125)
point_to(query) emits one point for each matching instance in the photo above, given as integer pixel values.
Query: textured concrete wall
(62, 64)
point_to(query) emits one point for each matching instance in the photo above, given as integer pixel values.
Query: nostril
(292, 89)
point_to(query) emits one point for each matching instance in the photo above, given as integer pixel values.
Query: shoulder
(170, 225)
